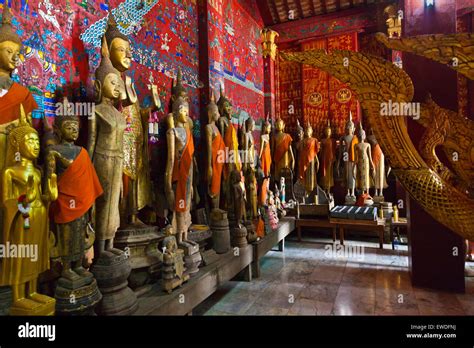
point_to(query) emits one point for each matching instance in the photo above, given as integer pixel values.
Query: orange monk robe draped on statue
(308, 153)
(10, 103)
(231, 142)
(181, 171)
(282, 147)
(376, 154)
(351, 149)
(328, 154)
(78, 188)
(266, 159)
(217, 147)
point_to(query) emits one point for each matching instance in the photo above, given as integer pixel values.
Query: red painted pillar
(269, 55)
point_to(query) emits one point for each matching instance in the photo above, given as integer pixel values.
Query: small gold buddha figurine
(12, 94)
(328, 157)
(309, 163)
(105, 148)
(78, 188)
(26, 221)
(227, 129)
(347, 156)
(380, 177)
(239, 198)
(179, 164)
(215, 151)
(136, 171)
(283, 153)
(363, 159)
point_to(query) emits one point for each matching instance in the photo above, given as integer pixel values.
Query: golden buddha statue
(283, 153)
(363, 159)
(105, 147)
(380, 176)
(137, 185)
(309, 163)
(78, 188)
(297, 146)
(12, 95)
(265, 157)
(347, 155)
(179, 164)
(26, 221)
(215, 149)
(231, 142)
(328, 157)
(248, 164)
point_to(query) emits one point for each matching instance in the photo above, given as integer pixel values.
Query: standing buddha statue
(328, 157)
(309, 163)
(179, 164)
(248, 164)
(137, 186)
(12, 95)
(215, 151)
(283, 158)
(347, 155)
(265, 158)
(78, 188)
(364, 165)
(105, 148)
(26, 220)
(231, 143)
(297, 146)
(380, 176)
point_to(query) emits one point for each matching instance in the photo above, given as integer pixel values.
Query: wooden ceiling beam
(265, 13)
(324, 8)
(338, 5)
(287, 8)
(300, 8)
(277, 19)
(313, 9)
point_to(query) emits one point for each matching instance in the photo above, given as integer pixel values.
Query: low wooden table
(325, 223)
(265, 244)
(365, 225)
(401, 223)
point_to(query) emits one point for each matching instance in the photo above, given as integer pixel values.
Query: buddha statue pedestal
(220, 231)
(72, 299)
(141, 245)
(111, 270)
(379, 199)
(192, 257)
(173, 273)
(239, 236)
(6, 299)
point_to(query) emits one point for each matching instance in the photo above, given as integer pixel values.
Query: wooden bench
(323, 223)
(377, 226)
(265, 244)
(184, 299)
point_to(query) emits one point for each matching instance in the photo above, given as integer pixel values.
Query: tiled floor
(308, 280)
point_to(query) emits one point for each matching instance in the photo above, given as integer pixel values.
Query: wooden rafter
(338, 5)
(313, 10)
(287, 8)
(277, 18)
(324, 8)
(300, 8)
(267, 16)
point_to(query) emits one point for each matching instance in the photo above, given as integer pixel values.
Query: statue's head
(225, 106)
(328, 130)
(212, 109)
(280, 125)
(24, 138)
(67, 127)
(10, 43)
(108, 83)
(360, 132)
(350, 125)
(249, 124)
(179, 100)
(308, 131)
(119, 46)
(266, 125)
(299, 130)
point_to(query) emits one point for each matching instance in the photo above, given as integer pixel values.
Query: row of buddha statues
(85, 195)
